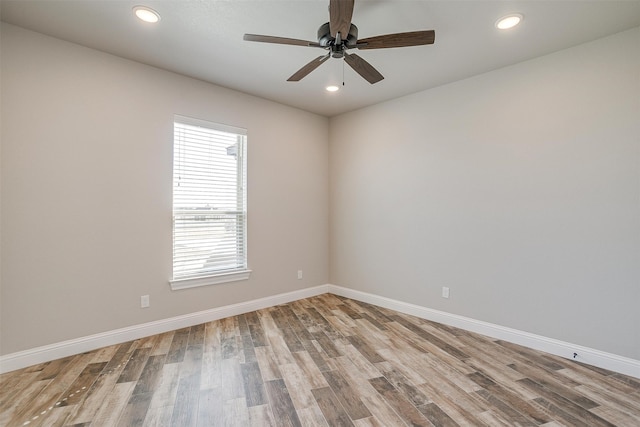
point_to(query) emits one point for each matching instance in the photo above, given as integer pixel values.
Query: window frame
(213, 277)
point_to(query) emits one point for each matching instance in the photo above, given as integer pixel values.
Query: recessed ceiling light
(146, 14)
(332, 88)
(509, 21)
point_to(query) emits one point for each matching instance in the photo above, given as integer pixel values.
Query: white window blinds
(209, 203)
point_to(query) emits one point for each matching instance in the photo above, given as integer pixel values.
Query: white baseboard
(22, 359)
(612, 362)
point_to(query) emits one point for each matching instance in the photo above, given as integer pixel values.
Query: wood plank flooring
(321, 361)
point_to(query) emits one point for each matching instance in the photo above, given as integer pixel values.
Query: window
(209, 203)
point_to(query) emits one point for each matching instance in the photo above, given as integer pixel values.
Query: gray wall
(86, 192)
(519, 189)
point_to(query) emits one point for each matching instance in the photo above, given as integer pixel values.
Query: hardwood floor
(320, 361)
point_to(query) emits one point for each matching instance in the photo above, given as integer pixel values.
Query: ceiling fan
(339, 35)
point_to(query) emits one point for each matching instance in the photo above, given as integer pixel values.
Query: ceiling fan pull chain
(343, 72)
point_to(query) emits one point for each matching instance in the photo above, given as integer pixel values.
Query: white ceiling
(203, 39)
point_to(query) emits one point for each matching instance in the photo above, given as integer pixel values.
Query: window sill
(215, 279)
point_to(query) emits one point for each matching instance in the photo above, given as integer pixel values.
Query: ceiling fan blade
(279, 40)
(304, 71)
(340, 13)
(414, 38)
(363, 68)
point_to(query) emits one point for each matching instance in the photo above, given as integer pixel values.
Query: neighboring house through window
(209, 203)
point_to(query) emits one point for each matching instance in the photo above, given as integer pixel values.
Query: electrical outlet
(299, 274)
(445, 292)
(144, 301)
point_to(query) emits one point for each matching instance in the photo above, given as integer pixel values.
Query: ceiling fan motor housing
(337, 50)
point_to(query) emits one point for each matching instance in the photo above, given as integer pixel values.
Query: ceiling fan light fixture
(332, 88)
(509, 21)
(146, 14)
